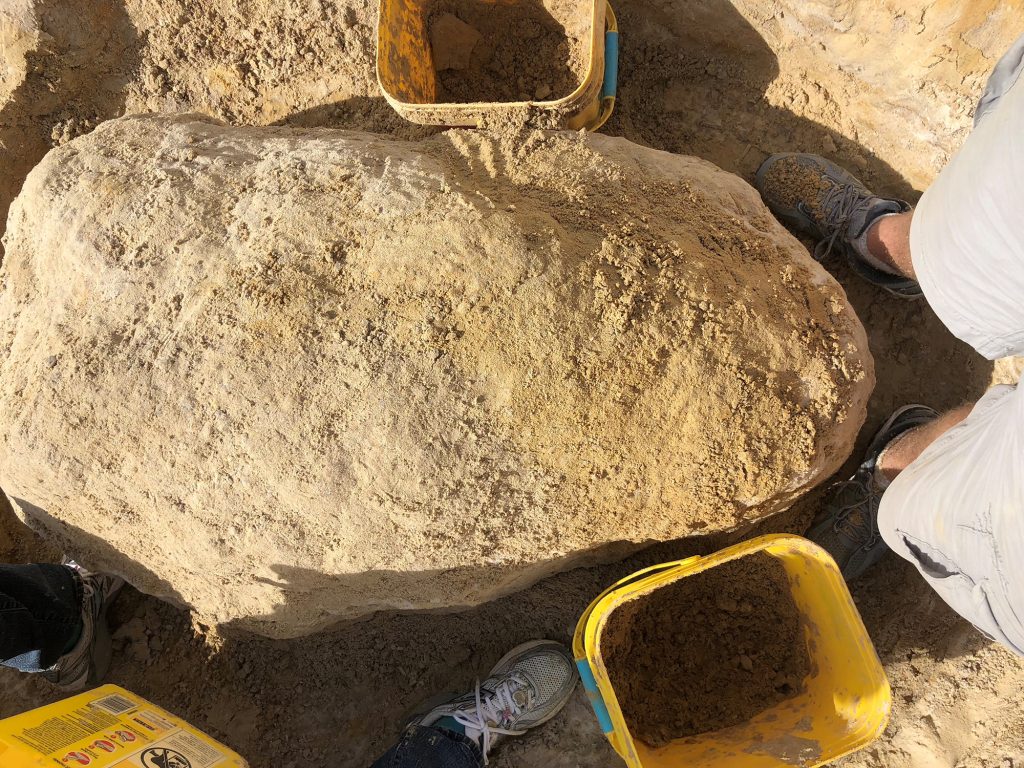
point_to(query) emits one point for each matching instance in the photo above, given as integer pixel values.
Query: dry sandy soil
(887, 90)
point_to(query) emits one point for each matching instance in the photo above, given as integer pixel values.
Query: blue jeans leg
(425, 747)
(40, 614)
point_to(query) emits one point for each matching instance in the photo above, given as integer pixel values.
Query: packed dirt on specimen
(885, 88)
(360, 373)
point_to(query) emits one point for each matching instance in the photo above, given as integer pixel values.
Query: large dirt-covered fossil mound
(289, 377)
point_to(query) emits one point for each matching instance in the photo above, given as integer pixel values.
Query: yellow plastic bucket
(845, 701)
(405, 72)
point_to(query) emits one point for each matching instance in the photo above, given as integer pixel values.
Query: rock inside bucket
(452, 41)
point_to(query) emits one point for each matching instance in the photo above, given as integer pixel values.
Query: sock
(881, 481)
(860, 244)
(451, 724)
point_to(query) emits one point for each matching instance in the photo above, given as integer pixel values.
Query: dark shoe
(848, 525)
(528, 687)
(87, 663)
(817, 197)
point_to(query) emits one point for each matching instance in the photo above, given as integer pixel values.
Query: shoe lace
(495, 706)
(838, 206)
(861, 527)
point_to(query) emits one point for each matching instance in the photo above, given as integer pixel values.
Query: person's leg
(817, 197)
(967, 236)
(905, 449)
(40, 615)
(888, 241)
(847, 527)
(962, 248)
(53, 620)
(426, 747)
(956, 511)
(955, 506)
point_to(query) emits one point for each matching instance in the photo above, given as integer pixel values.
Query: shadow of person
(72, 78)
(695, 82)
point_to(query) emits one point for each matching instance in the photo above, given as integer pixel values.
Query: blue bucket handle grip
(611, 64)
(596, 699)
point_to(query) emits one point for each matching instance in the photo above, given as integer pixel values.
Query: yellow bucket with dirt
(408, 78)
(842, 705)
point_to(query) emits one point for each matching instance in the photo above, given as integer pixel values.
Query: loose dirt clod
(487, 51)
(707, 652)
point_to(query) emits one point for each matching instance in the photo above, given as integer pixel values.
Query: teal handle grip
(611, 65)
(596, 700)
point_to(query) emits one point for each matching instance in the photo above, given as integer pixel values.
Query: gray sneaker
(528, 687)
(848, 525)
(817, 197)
(87, 663)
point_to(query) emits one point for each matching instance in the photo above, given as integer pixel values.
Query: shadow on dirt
(355, 114)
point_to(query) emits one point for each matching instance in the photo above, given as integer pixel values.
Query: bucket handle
(610, 83)
(611, 64)
(594, 695)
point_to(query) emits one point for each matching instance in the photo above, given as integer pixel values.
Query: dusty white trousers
(957, 512)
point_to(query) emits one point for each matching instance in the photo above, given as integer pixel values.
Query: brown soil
(706, 652)
(505, 51)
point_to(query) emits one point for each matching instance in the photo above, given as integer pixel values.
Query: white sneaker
(528, 687)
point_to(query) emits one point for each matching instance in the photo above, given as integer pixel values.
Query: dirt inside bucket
(707, 652)
(487, 51)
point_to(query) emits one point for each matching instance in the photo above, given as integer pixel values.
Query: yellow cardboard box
(108, 727)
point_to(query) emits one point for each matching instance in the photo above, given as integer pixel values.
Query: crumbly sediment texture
(361, 373)
(706, 652)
